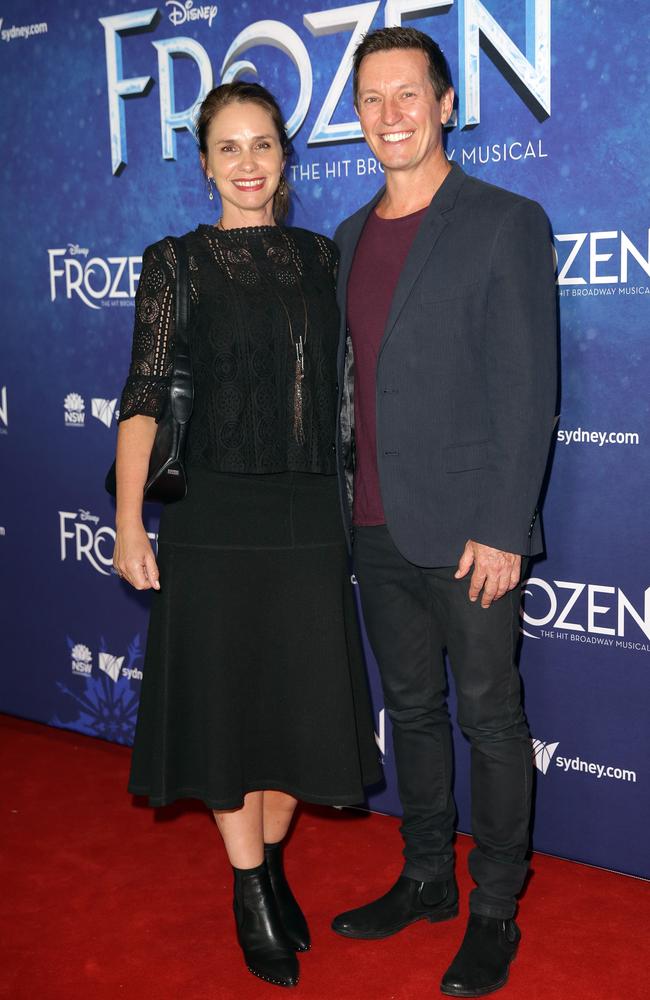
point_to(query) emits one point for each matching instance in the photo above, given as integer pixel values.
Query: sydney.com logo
(545, 753)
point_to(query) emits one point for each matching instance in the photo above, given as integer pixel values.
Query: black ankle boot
(292, 917)
(267, 950)
(483, 960)
(403, 904)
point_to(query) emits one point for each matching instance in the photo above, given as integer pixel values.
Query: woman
(254, 694)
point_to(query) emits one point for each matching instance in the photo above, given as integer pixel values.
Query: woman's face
(245, 159)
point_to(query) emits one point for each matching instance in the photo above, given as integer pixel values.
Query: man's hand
(495, 572)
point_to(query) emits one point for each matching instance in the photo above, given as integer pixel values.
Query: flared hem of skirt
(158, 800)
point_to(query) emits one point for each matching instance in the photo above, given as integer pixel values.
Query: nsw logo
(74, 408)
(103, 410)
(81, 657)
(543, 753)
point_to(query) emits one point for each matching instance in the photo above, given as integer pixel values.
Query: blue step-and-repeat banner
(99, 161)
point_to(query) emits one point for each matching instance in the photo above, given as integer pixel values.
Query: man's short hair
(385, 39)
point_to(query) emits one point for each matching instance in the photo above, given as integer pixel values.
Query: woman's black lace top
(248, 286)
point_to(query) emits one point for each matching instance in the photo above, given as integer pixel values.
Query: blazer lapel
(429, 232)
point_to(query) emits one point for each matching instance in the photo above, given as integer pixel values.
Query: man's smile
(397, 136)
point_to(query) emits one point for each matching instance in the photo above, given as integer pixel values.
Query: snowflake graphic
(106, 709)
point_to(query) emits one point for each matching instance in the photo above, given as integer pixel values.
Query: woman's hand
(133, 557)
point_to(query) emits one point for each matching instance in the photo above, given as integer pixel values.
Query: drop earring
(210, 183)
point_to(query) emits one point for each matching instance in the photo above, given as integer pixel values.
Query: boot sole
(433, 918)
(485, 992)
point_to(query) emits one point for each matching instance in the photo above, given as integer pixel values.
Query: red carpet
(103, 899)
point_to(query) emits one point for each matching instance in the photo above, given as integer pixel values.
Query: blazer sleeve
(521, 372)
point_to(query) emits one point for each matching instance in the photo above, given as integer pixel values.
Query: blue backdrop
(98, 162)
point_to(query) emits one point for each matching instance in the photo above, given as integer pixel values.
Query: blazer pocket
(465, 457)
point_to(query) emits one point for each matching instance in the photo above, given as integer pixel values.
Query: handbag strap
(182, 384)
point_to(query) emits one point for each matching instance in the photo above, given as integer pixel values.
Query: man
(448, 343)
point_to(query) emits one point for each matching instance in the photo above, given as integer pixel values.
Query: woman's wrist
(125, 519)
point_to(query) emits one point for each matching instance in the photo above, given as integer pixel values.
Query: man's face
(400, 115)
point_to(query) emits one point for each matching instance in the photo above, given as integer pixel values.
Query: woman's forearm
(135, 439)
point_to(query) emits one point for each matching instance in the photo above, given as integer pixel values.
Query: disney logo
(182, 12)
(76, 251)
(85, 515)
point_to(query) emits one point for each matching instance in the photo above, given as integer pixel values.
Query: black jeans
(411, 614)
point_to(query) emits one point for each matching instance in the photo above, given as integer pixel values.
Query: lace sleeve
(152, 354)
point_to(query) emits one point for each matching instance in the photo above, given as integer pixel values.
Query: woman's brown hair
(243, 92)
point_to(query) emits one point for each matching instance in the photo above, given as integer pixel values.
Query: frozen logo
(180, 13)
(528, 72)
(81, 657)
(103, 410)
(83, 539)
(587, 613)
(74, 408)
(602, 258)
(81, 535)
(96, 281)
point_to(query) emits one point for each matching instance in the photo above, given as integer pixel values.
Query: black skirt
(254, 675)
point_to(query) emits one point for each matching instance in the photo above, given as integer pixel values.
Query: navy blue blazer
(466, 375)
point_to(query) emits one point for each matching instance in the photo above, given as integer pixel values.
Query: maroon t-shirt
(378, 261)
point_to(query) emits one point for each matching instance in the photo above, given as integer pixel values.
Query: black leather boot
(267, 950)
(292, 917)
(402, 905)
(483, 960)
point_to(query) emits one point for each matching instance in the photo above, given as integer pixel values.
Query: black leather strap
(182, 384)
(182, 291)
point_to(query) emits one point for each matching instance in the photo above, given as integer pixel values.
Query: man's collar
(443, 200)
(445, 197)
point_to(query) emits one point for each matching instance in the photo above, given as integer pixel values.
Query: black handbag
(166, 480)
